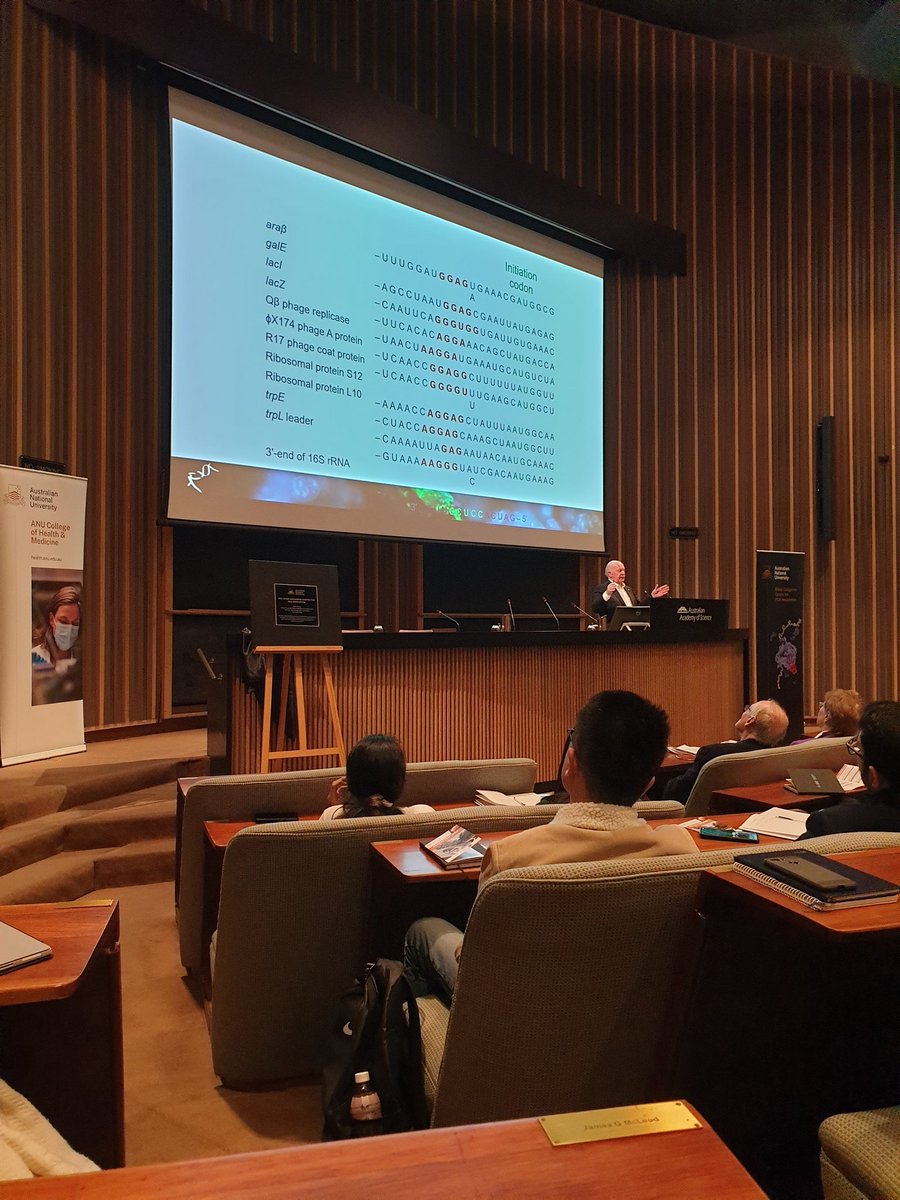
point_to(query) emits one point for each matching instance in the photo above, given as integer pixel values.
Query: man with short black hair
(878, 748)
(759, 727)
(618, 742)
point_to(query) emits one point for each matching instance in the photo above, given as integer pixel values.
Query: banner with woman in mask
(42, 607)
(55, 642)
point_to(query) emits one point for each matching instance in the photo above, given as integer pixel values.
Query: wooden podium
(291, 663)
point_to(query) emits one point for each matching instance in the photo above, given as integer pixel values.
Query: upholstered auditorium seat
(293, 931)
(304, 793)
(860, 1156)
(763, 766)
(574, 981)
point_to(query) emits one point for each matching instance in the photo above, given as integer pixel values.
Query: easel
(291, 668)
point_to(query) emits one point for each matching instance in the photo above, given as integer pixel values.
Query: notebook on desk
(786, 823)
(816, 881)
(18, 949)
(819, 781)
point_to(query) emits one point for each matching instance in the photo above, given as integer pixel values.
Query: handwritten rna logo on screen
(194, 477)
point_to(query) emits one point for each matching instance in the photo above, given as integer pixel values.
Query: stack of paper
(850, 778)
(520, 800)
(778, 822)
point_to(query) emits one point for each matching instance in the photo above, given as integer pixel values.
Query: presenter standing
(614, 591)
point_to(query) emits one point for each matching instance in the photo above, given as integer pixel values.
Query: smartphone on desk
(812, 873)
(728, 835)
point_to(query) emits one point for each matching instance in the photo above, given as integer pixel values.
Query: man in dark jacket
(759, 726)
(878, 748)
(607, 596)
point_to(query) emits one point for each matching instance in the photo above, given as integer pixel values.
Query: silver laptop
(18, 949)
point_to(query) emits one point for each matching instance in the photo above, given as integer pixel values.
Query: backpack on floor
(377, 1030)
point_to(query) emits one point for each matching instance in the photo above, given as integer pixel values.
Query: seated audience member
(838, 714)
(376, 773)
(878, 748)
(617, 744)
(759, 726)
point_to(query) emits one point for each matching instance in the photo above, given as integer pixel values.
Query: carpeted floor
(183, 743)
(174, 1106)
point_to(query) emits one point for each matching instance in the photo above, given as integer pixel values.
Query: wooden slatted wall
(781, 175)
(79, 375)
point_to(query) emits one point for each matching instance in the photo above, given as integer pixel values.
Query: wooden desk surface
(510, 1160)
(410, 861)
(219, 833)
(185, 782)
(765, 795)
(676, 761)
(73, 931)
(875, 918)
(729, 821)
(411, 864)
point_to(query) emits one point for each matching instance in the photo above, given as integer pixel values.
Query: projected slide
(346, 361)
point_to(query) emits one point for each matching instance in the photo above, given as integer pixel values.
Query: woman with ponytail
(376, 773)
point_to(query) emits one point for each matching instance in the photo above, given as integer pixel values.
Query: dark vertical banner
(779, 633)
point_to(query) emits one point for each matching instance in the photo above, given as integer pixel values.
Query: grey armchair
(762, 766)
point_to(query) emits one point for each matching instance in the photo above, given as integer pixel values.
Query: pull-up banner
(41, 614)
(779, 633)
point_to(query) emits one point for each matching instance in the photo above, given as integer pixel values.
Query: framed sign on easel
(296, 619)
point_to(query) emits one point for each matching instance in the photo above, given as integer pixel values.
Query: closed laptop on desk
(18, 949)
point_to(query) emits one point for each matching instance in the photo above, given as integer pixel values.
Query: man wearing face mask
(52, 647)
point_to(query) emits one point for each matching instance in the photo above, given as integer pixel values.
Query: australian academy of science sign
(779, 633)
(685, 618)
(42, 607)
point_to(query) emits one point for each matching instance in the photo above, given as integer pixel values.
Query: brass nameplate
(602, 1124)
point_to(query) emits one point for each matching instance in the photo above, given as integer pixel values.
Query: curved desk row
(494, 695)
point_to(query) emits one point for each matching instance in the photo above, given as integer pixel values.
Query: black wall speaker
(825, 478)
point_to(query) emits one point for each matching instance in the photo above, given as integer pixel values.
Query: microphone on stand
(552, 613)
(592, 621)
(447, 617)
(512, 615)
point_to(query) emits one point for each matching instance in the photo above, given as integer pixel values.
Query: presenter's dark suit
(680, 787)
(606, 608)
(868, 812)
